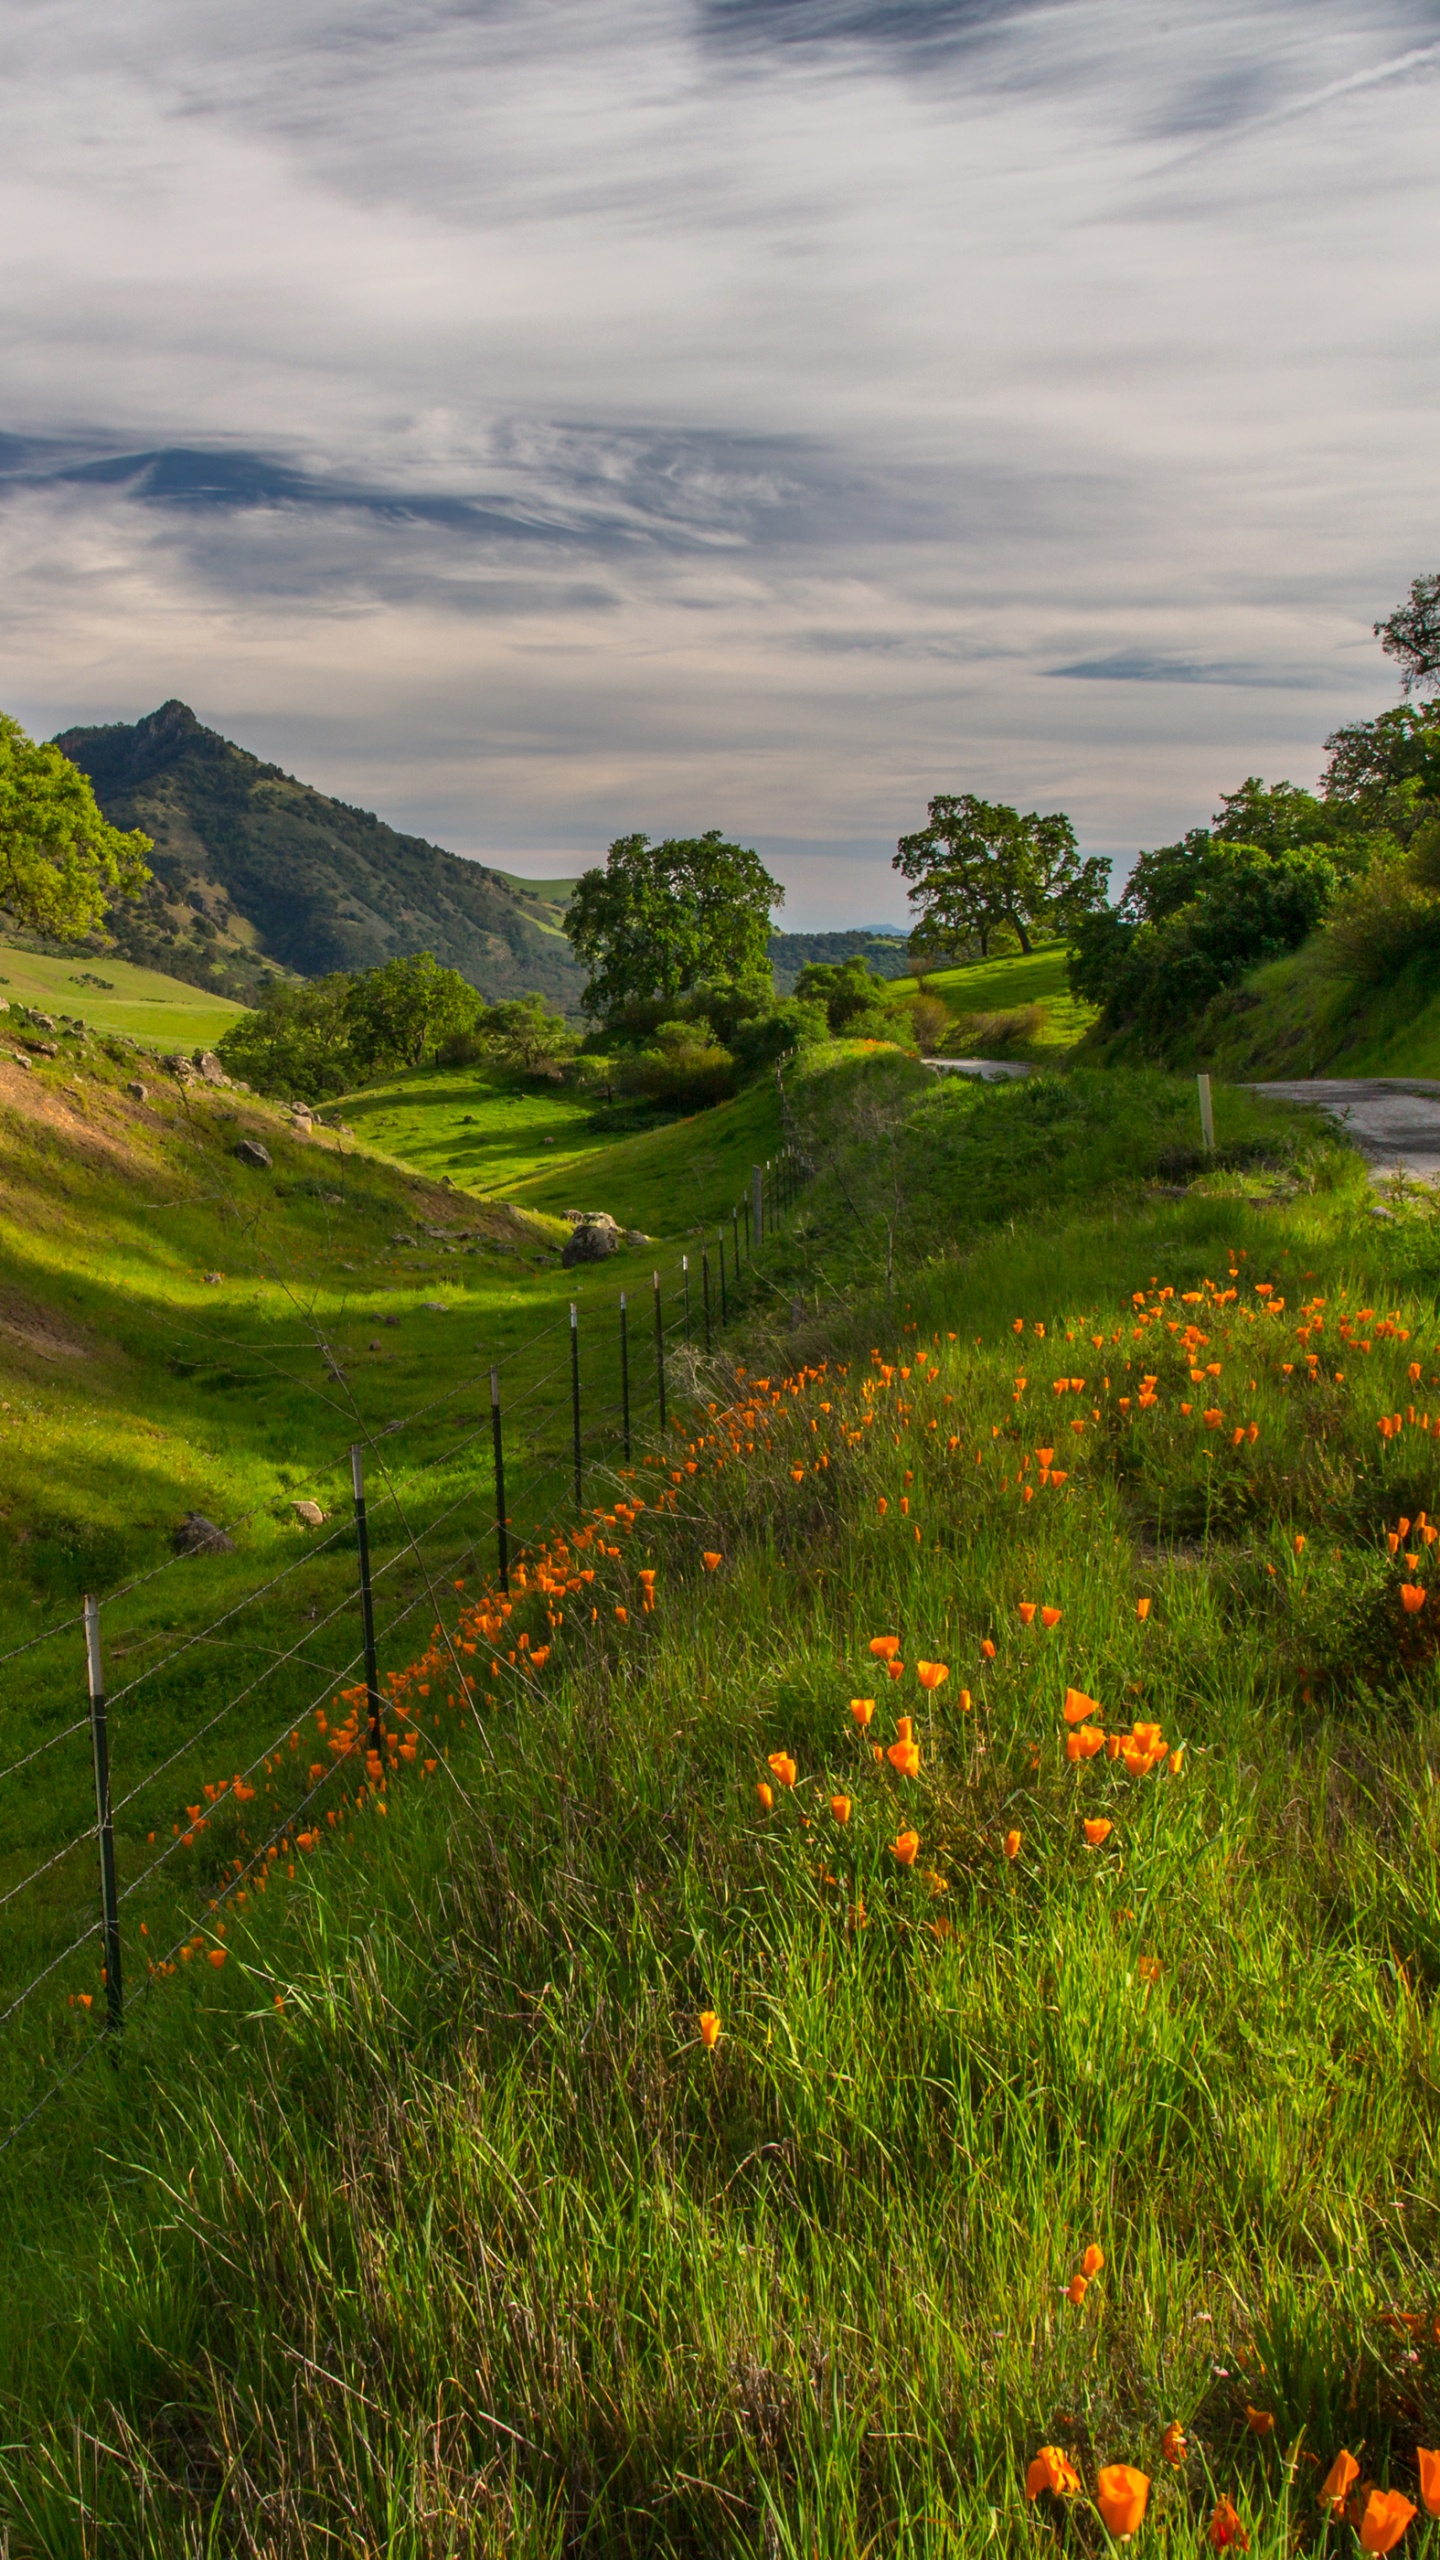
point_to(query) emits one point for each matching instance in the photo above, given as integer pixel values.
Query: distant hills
(254, 871)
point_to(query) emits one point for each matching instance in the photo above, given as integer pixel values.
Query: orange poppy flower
(1045, 1456)
(862, 1709)
(987, 1648)
(1096, 1832)
(1121, 2494)
(931, 1674)
(1050, 1617)
(840, 1807)
(1261, 2422)
(1093, 2262)
(905, 1757)
(884, 1648)
(1076, 2290)
(1338, 2482)
(1173, 2444)
(1412, 1597)
(766, 1795)
(1429, 2479)
(1057, 1475)
(709, 2027)
(1054, 2470)
(783, 1767)
(1011, 1844)
(1383, 2519)
(1027, 1612)
(905, 1847)
(1149, 1968)
(1084, 1742)
(710, 1560)
(1077, 1706)
(965, 1699)
(896, 1670)
(217, 1957)
(1226, 2532)
(1142, 1610)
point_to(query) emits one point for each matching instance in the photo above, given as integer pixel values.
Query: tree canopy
(1411, 636)
(978, 866)
(663, 919)
(61, 862)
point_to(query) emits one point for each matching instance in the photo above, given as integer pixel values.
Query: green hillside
(1297, 1017)
(1018, 1006)
(697, 2108)
(537, 1145)
(113, 995)
(254, 870)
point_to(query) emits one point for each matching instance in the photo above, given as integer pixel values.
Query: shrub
(1009, 1034)
(1381, 922)
(930, 1022)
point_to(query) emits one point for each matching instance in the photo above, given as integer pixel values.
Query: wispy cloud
(540, 419)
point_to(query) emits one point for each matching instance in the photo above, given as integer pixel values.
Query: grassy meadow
(113, 996)
(991, 1714)
(1018, 1006)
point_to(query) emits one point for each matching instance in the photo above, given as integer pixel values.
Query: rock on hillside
(252, 867)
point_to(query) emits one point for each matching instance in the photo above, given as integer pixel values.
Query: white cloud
(643, 415)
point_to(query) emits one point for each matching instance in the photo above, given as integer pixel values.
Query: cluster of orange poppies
(1380, 2516)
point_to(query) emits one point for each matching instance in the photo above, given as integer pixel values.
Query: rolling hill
(255, 871)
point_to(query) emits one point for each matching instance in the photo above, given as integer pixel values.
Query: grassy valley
(1069, 2076)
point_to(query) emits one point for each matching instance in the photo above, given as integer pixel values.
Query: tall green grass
(471, 2246)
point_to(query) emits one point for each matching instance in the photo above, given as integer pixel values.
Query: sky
(540, 421)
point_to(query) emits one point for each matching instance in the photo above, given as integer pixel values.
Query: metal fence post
(367, 1600)
(502, 1540)
(724, 1311)
(104, 1823)
(757, 1191)
(1207, 1114)
(735, 1239)
(659, 1352)
(575, 1393)
(685, 1276)
(624, 1374)
(705, 1291)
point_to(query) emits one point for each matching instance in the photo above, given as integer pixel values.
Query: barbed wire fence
(508, 1471)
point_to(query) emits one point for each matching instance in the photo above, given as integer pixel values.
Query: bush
(1382, 921)
(1008, 1034)
(788, 1027)
(683, 1069)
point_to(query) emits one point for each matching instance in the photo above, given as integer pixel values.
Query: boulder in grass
(211, 1069)
(636, 1236)
(197, 1536)
(591, 1242)
(250, 1151)
(309, 1513)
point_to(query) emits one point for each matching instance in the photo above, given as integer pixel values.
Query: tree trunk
(1019, 924)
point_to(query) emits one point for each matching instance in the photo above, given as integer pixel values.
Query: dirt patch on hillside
(38, 1329)
(91, 1120)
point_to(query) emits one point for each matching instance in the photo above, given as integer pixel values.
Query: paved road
(989, 1070)
(1394, 1120)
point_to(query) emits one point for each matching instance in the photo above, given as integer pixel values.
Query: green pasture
(537, 1145)
(111, 995)
(1011, 984)
(428, 2224)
